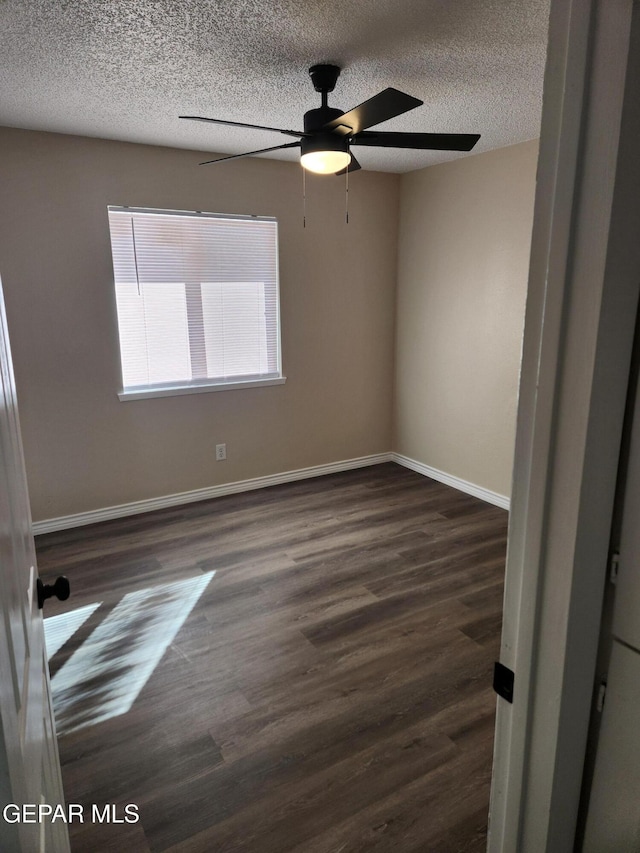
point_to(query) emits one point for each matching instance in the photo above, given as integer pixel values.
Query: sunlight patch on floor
(103, 678)
(60, 628)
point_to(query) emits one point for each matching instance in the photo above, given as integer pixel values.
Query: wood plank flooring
(328, 692)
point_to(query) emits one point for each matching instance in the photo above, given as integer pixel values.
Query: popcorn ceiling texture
(125, 69)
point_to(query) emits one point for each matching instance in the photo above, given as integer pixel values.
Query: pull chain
(304, 198)
(346, 200)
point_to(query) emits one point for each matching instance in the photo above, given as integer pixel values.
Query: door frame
(584, 284)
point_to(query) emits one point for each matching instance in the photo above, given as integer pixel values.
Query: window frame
(208, 384)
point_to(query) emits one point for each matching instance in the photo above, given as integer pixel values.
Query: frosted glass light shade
(324, 153)
(325, 162)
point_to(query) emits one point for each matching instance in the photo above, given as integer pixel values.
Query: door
(29, 763)
(613, 815)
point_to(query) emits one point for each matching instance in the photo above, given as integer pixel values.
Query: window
(197, 301)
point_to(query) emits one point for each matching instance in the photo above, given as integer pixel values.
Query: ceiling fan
(329, 133)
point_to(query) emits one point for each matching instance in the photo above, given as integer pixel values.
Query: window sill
(176, 390)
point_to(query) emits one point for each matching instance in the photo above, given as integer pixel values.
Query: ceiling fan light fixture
(325, 162)
(325, 154)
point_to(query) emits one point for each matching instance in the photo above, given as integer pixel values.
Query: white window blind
(197, 298)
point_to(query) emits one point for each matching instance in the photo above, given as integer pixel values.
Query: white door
(613, 817)
(29, 763)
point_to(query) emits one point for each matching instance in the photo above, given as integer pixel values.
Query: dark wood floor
(329, 691)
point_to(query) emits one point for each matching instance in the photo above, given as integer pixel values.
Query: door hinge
(503, 679)
(602, 692)
(614, 565)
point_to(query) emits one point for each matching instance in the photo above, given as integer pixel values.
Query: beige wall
(87, 450)
(460, 261)
(464, 239)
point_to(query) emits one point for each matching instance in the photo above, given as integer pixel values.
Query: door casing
(582, 301)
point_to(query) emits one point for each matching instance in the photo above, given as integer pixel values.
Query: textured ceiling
(125, 69)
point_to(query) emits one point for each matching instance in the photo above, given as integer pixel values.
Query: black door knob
(60, 589)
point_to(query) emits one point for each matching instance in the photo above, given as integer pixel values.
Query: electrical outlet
(221, 452)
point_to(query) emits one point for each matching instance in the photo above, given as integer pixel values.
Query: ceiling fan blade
(249, 153)
(385, 105)
(352, 167)
(242, 124)
(425, 141)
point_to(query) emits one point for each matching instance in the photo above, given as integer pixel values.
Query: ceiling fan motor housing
(315, 120)
(323, 142)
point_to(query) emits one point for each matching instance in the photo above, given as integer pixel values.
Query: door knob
(61, 589)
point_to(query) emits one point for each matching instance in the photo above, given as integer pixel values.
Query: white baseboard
(81, 519)
(136, 507)
(449, 480)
